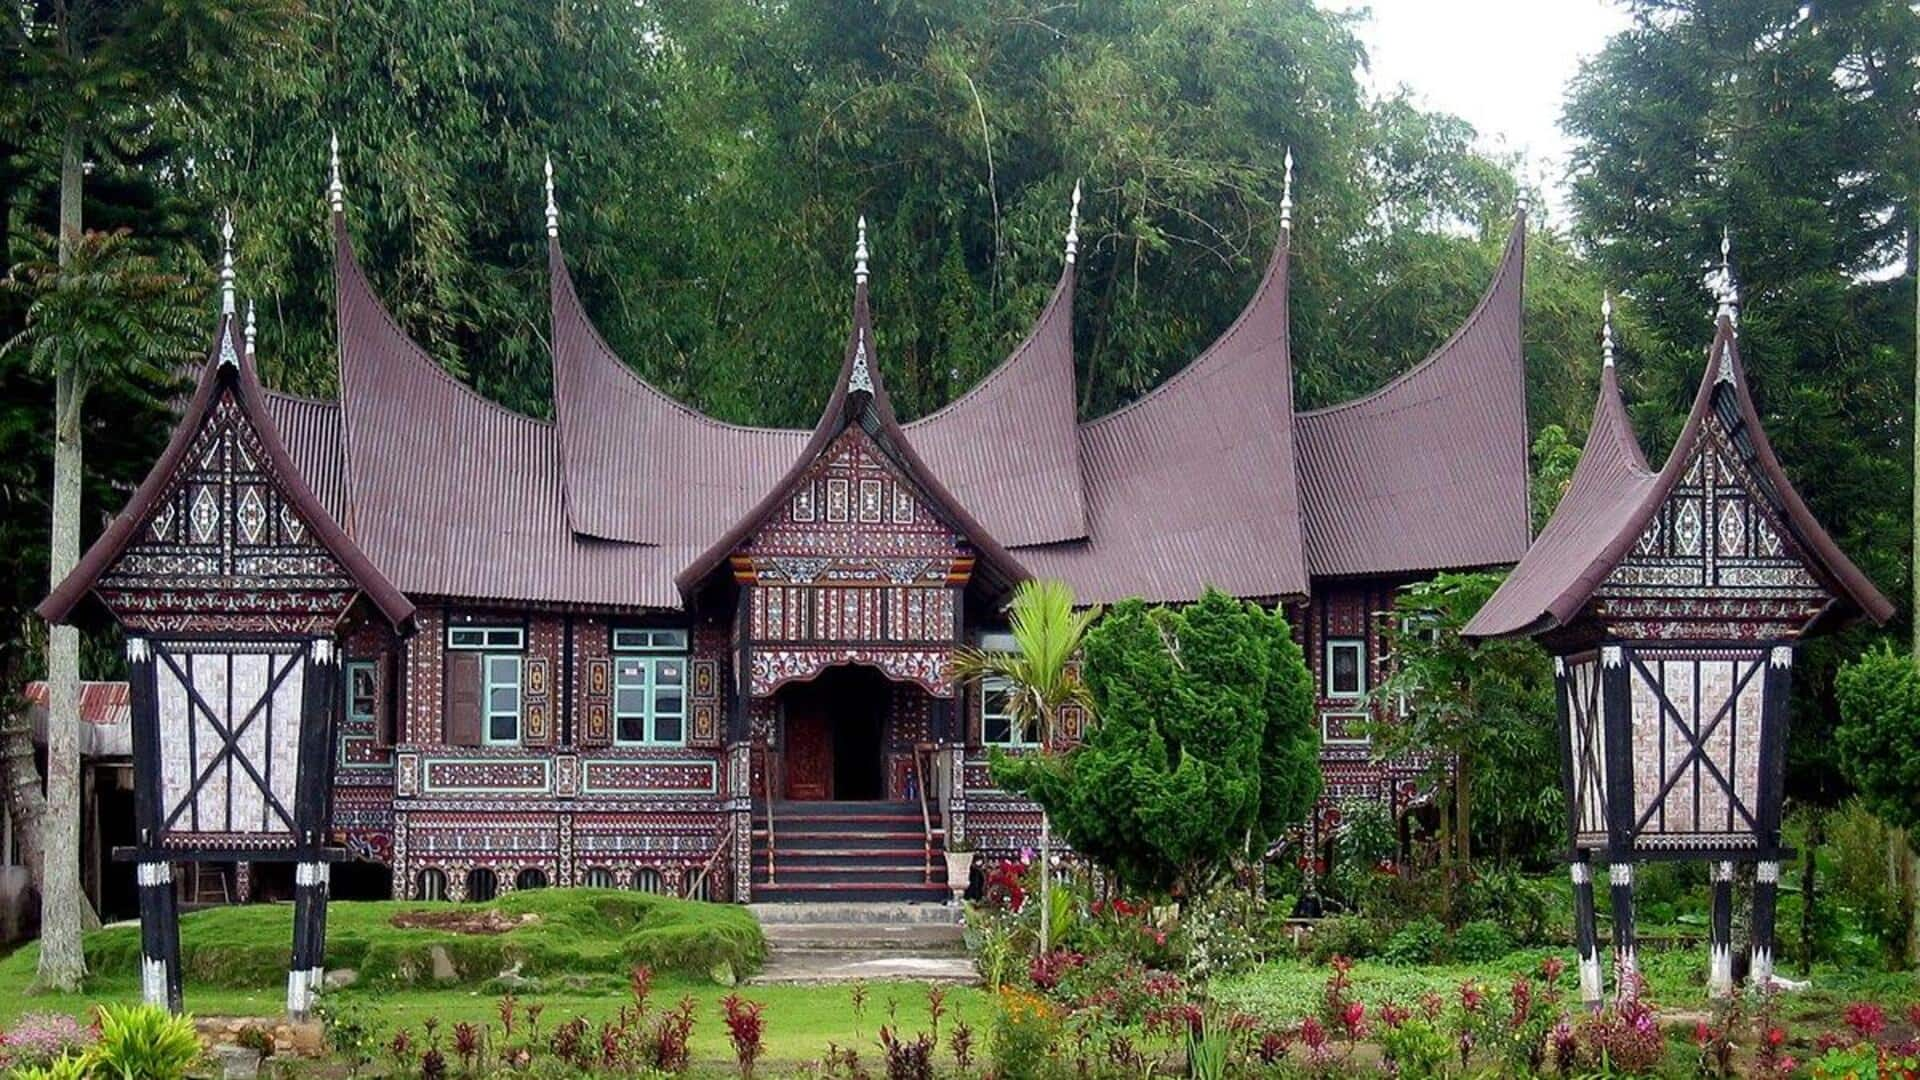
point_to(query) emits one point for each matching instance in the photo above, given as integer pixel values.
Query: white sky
(1502, 65)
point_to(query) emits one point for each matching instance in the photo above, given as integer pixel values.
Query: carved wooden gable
(854, 567)
(1716, 561)
(223, 549)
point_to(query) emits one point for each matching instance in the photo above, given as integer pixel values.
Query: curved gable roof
(1008, 449)
(1195, 484)
(225, 370)
(1552, 584)
(1430, 471)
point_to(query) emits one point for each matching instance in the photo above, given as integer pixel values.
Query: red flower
(1552, 968)
(1702, 1034)
(1775, 1037)
(1353, 1019)
(1393, 1014)
(1471, 999)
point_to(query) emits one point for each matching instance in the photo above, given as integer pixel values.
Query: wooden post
(1720, 933)
(159, 935)
(1616, 705)
(310, 883)
(1766, 889)
(1586, 936)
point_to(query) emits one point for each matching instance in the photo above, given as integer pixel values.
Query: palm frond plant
(1041, 680)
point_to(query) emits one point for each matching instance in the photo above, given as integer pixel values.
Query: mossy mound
(533, 934)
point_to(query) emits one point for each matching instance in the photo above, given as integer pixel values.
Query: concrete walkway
(871, 950)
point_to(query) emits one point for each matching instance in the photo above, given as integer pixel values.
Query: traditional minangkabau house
(653, 650)
(1673, 601)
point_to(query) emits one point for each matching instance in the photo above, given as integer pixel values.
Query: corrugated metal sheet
(453, 495)
(1611, 479)
(106, 718)
(1430, 471)
(1194, 484)
(1008, 449)
(311, 431)
(641, 467)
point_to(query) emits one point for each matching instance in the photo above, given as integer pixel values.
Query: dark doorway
(835, 725)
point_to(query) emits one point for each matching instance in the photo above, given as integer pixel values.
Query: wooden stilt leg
(309, 937)
(1626, 962)
(1720, 934)
(1586, 937)
(1766, 890)
(159, 935)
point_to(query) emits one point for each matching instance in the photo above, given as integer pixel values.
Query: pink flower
(1865, 1018)
(1354, 1019)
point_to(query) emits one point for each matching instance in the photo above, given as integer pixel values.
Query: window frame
(1359, 647)
(487, 637)
(349, 670)
(649, 648)
(487, 686)
(1016, 739)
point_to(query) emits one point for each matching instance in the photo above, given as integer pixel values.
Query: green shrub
(1416, 1049)
(1481, 941)
(1344, 935)
(1504, 896)
(73, 1066)
(559, 932)
(1859, 843)
(1422, 941)
(143, 1042)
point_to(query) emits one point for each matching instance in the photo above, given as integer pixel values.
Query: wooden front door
(809, 756)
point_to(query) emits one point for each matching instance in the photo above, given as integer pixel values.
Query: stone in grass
(237, 1062)
(722, 973)
(443, 969)
(339, 979)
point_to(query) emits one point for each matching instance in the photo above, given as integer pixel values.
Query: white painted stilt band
(1720, 970)
(1591, 985)
(153, 873)
(153, 981)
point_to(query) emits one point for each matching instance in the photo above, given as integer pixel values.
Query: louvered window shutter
(464, 690)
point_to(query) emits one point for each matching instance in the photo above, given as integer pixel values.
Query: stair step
(914, 854)
(862, 891)
(868, 872)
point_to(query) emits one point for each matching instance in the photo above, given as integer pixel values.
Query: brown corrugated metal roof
(217, 377)
(1008, 448)
(1429, 471)
(311, 431)
(454, 495)
(639, 466)
(1613, 496)
(1194, 484)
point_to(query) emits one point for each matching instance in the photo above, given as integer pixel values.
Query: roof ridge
(344, 242)
(1064, 286)
(1274, 275)
(558, 263)
(1516, 239)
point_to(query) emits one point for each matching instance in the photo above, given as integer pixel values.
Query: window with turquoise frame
(998, 726)
(650, 687)
(502, 674)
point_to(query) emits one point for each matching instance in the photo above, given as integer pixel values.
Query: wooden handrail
(706, 868)
(766, 792)
(920, 765)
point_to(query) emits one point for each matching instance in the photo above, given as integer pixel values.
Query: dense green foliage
(1204, 744)
(560, 932)
(1791, 126)
(1489, 706)
(1878, 739)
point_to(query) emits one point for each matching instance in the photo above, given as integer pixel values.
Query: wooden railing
(705, 872)
(923, 761)
(766, 794)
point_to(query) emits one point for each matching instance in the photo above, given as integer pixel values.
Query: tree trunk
(62, 963)
(26, 804)
(1463, 813)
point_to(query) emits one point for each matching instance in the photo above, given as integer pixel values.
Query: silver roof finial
(860, 379)
(1728, 287)
(226, 262)
(860, 254)
(250, 329)
(336, 194)
(1606, 329)
(553, 208)
(1286, 195)
(1073, 226)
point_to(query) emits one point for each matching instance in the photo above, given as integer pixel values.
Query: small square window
(997, 723)
(361, 684)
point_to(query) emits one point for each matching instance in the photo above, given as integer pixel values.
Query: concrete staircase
(847, 851)
(855, 941)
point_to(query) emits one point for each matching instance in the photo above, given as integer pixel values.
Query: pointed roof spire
(1726, 288)
(336, 194)
(1286, 195)
(1073, 226)
(860, 254)
(1606, 329)
(226, 262)
(553, 208)
(250, 329)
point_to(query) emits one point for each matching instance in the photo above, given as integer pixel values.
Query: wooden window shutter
(464, 718)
